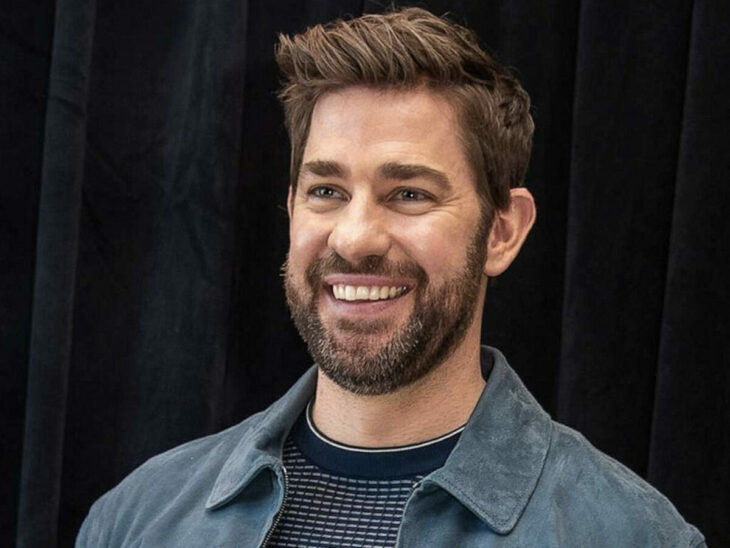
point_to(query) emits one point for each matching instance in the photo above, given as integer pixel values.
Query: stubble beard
(436, 327)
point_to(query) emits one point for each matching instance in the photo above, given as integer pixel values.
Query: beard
(437, 325)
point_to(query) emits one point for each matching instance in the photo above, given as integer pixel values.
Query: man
(409, 146)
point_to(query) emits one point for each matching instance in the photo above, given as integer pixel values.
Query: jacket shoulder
(190, 468)
(186, 461)
(606, 498)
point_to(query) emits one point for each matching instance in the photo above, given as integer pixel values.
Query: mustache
(372, 264)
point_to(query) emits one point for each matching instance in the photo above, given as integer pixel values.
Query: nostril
(356, 244)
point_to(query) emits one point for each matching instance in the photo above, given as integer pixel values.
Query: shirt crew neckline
(371, 463)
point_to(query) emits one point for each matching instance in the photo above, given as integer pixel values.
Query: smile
(343, 292)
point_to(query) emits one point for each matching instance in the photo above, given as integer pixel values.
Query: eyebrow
(323, 168)
(404, 172)
(390, 170)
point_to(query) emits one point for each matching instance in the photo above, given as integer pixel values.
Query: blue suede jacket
(515, 478)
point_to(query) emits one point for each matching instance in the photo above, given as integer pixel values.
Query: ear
(290, 202)
(509, 230)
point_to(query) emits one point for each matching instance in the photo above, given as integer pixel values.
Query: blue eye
(324, 192)
(409, 195)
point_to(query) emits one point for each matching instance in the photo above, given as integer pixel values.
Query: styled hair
(406, 49)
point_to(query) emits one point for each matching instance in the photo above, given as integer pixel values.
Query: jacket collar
(260, 448)
(492, 471)
(497, 462)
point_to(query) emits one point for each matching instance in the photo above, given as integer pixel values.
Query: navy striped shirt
(340, 495)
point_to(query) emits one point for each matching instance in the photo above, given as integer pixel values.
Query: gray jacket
(515, 478)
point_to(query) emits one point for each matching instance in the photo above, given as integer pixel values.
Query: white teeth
(350, 293)
(364, 293)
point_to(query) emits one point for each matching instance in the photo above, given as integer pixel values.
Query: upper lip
(367, 280)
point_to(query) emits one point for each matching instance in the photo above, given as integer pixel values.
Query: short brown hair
(405, 49)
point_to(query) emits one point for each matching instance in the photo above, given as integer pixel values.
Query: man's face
(388, 239)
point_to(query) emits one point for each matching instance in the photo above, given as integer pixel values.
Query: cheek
(307, 241)
(438, 250)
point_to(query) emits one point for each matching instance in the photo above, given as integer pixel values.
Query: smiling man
(409, 148)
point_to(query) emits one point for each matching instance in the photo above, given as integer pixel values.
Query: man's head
(406, 140)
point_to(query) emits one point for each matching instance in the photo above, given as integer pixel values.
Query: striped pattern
(325, 509)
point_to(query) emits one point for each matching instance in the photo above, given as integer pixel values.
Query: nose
(360, 231)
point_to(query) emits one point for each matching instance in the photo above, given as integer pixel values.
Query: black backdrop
(144, 168)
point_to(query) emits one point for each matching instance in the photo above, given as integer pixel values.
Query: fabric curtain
(143, 227)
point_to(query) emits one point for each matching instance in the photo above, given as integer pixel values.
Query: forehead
(362, 123)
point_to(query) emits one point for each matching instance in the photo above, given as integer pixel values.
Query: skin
(358, 211)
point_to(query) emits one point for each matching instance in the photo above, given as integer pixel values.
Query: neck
(432, 406)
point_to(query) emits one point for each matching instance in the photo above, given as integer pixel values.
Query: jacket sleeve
(697, 541)
(94, 530)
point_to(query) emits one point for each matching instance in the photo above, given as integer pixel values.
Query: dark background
(144, 168)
